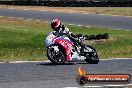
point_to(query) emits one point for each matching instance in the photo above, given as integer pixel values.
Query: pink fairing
(67, 45)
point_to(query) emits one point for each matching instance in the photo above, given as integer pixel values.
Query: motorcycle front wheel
(56, 57)
(92, 57)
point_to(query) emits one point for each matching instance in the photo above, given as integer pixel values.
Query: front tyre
(92, 57)
(55, 56)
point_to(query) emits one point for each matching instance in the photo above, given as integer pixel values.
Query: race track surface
(46, 75)
(118, 22)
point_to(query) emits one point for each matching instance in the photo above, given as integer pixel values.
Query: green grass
(24, 40)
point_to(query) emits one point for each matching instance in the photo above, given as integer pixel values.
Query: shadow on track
(51, 64)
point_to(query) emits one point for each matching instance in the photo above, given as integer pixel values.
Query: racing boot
(83, 48)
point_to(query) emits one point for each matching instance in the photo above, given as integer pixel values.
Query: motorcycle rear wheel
(55, 57)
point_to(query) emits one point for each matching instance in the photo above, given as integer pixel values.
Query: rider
(61, 29)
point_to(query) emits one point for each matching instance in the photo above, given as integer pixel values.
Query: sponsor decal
(83, 78)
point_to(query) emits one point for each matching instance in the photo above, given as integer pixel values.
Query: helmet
(55, 24)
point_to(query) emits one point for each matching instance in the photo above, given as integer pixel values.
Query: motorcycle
(61, 49)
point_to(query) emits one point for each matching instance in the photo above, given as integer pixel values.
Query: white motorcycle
(61, 49)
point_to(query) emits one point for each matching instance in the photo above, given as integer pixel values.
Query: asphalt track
(118, 22)
(46, 75)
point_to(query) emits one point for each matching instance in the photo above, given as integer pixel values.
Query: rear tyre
(56, 57)
(92, 57)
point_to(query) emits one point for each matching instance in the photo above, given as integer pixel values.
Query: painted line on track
(49, 61)
(71, 24)
(25, 9)
(12, 8)
(1, 16)
(87, 26)
(92, 86)
(79, 25)
(85, 13)
(29, 19)
(71, 12)
(29, 61)
(105, 86)
(21, 18)
(38, 20)
(113, 15)
(11, 17)
(101, 14)
(43, 10)
(116, 59)
(70, 87)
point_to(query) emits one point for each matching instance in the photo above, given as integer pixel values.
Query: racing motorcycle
(61, 49)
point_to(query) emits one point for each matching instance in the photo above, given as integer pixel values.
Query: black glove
(79, 35)
(73, 35)
(102, 36)
(63, 27)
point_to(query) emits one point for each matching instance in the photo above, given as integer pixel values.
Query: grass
(123, 11)
(24, 40)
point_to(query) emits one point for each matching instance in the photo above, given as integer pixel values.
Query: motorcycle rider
(60, 30)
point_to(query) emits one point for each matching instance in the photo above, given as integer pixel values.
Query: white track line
(21, 18)
(71, 12)
(28, 61)
(71, 24)
(128, 16)
(49, 61)
(70, 87)
(38, 20)
(1, 16)
(11, 8)
(25, 61)
(93, 86)
(29, 19)
(42, 10)
(113, 15)
(103, 86)
(86, 13)
(115, 85)
(79, 25)
(25, 9)
(87, 26)
(103, 14)
(11, 17)
(116, 59)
